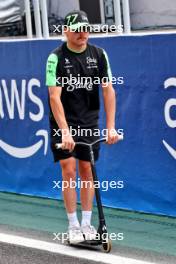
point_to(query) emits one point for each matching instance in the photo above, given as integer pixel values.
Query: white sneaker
(75, 235)
(89, 232)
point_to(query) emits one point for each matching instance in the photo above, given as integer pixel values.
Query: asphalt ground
(146, 238)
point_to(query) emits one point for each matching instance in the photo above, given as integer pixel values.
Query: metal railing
(121, 14)
(40, 16)
(126, 15)
(121, 9)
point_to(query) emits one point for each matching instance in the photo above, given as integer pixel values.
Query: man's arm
(59, 115)
(110, 109)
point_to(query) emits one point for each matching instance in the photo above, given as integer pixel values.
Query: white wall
(151, 13)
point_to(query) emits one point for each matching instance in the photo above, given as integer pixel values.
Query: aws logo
(168, 84)
(12, 99)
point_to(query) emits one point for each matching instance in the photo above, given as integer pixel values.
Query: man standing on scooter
(75, 105)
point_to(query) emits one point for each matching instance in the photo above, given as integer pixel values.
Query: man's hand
(113, 136)
(67, 142)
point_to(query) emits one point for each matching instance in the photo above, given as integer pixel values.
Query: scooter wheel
(107, 246)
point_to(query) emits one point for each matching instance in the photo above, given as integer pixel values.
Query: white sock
(86, 218)
(73, 219)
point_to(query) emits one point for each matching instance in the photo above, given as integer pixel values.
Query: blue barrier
(143, 164)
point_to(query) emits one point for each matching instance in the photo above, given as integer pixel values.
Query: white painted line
(66, 250)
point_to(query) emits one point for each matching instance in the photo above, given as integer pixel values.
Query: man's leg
(69, 174)
(87, 187)
(70, 198)
(87, 195)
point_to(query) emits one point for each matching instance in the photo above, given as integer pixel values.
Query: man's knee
(85, 170)
(68, 169)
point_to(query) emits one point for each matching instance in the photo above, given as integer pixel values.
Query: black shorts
(87, 135)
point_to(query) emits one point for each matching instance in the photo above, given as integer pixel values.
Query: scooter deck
(87, 243)
(91, 243)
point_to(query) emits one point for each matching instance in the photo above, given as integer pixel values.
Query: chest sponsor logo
(79, 85)
(79, 82)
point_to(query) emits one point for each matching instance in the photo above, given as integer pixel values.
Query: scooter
(102, 234)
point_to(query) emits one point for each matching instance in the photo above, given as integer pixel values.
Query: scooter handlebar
(59, 145)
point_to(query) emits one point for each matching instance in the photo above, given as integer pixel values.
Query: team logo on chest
(91, 63)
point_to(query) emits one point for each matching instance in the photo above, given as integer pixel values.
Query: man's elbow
(53, 100)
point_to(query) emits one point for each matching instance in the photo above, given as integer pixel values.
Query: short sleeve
(51, 70)
(105, 71)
